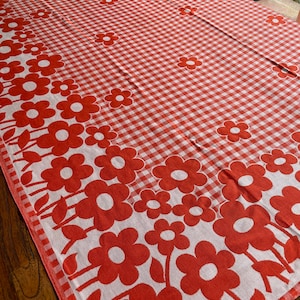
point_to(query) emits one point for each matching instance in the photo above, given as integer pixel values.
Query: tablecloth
(153, 146)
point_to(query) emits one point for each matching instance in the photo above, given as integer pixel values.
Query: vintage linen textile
(153, 146)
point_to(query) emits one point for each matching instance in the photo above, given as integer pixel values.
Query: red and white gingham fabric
(153, 146)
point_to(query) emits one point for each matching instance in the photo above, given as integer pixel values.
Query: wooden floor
(22, 275)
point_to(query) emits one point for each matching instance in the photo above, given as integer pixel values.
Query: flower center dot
(279, 161)
(41, 14)
(63, 87)
(29, 86)
(275, 20)
(243, 225)
(296, 209)
(5, 70)
(187, 10)
(153, 204)
(106, 38)
(235, 130)
(105, 201)
(245, 180)
(118, 162)
(196, 211)
(23, 35)
(34, 49)
(62, 135)
(76, 107)
(5, 49)
(99, 136)
(12, 25)
(179, 175)
(208, 271)
(44, 63)
(116, 255)
(120, 98)
(190, 63)
(167, 235)
(32, 113)
(66, 173)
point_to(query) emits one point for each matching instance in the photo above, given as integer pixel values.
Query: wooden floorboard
(22, 274)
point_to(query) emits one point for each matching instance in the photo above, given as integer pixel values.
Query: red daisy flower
(29, 86)
(45, 64)
(100, 136)
(275, 20)
(10, 24)
(189, 62)
(194, 210)
(34, 49)
(120, 163)
(187, 10)
(105, 204)
(9, 48)
(23, 36)
(244, 227)
(67, 173)
(64, 87)
(41, 13)
(288, 206)
(285, 70)
(118, 257)
(9, 70)
(167, 236)
(33, 114)
(278, 161)
(180, 174)
(107, 39)
(154, 203)
(61, 137)
(241, 180)
(234, 131)
(207, 271)
(118, 98)
(78, 107)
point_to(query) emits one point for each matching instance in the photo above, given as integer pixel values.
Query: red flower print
(33, 114)
(107, 39)
(120, 163)
(187, 10)
(154, 203)
(194, 210)
(167, 236)
(61, 137)
(243, 227)
(45, 64)
(118, 256)
(288, 206)
(284, 70)
(241, 180)
(189, 62)
(296, 138)
(207, 271)
(234, 131)
(275, 20)
(105, 204)
(34, 49)
(180, 174)
(278, 161)
(118, 98)
(78, 107)
(9, 70)
(100, 136)
(10, 24)
(4, 11)
(9, 48)
(23, 36)
(64, 87)
(29, 86)
(41, 13)
(67, 173)
(108, 1)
